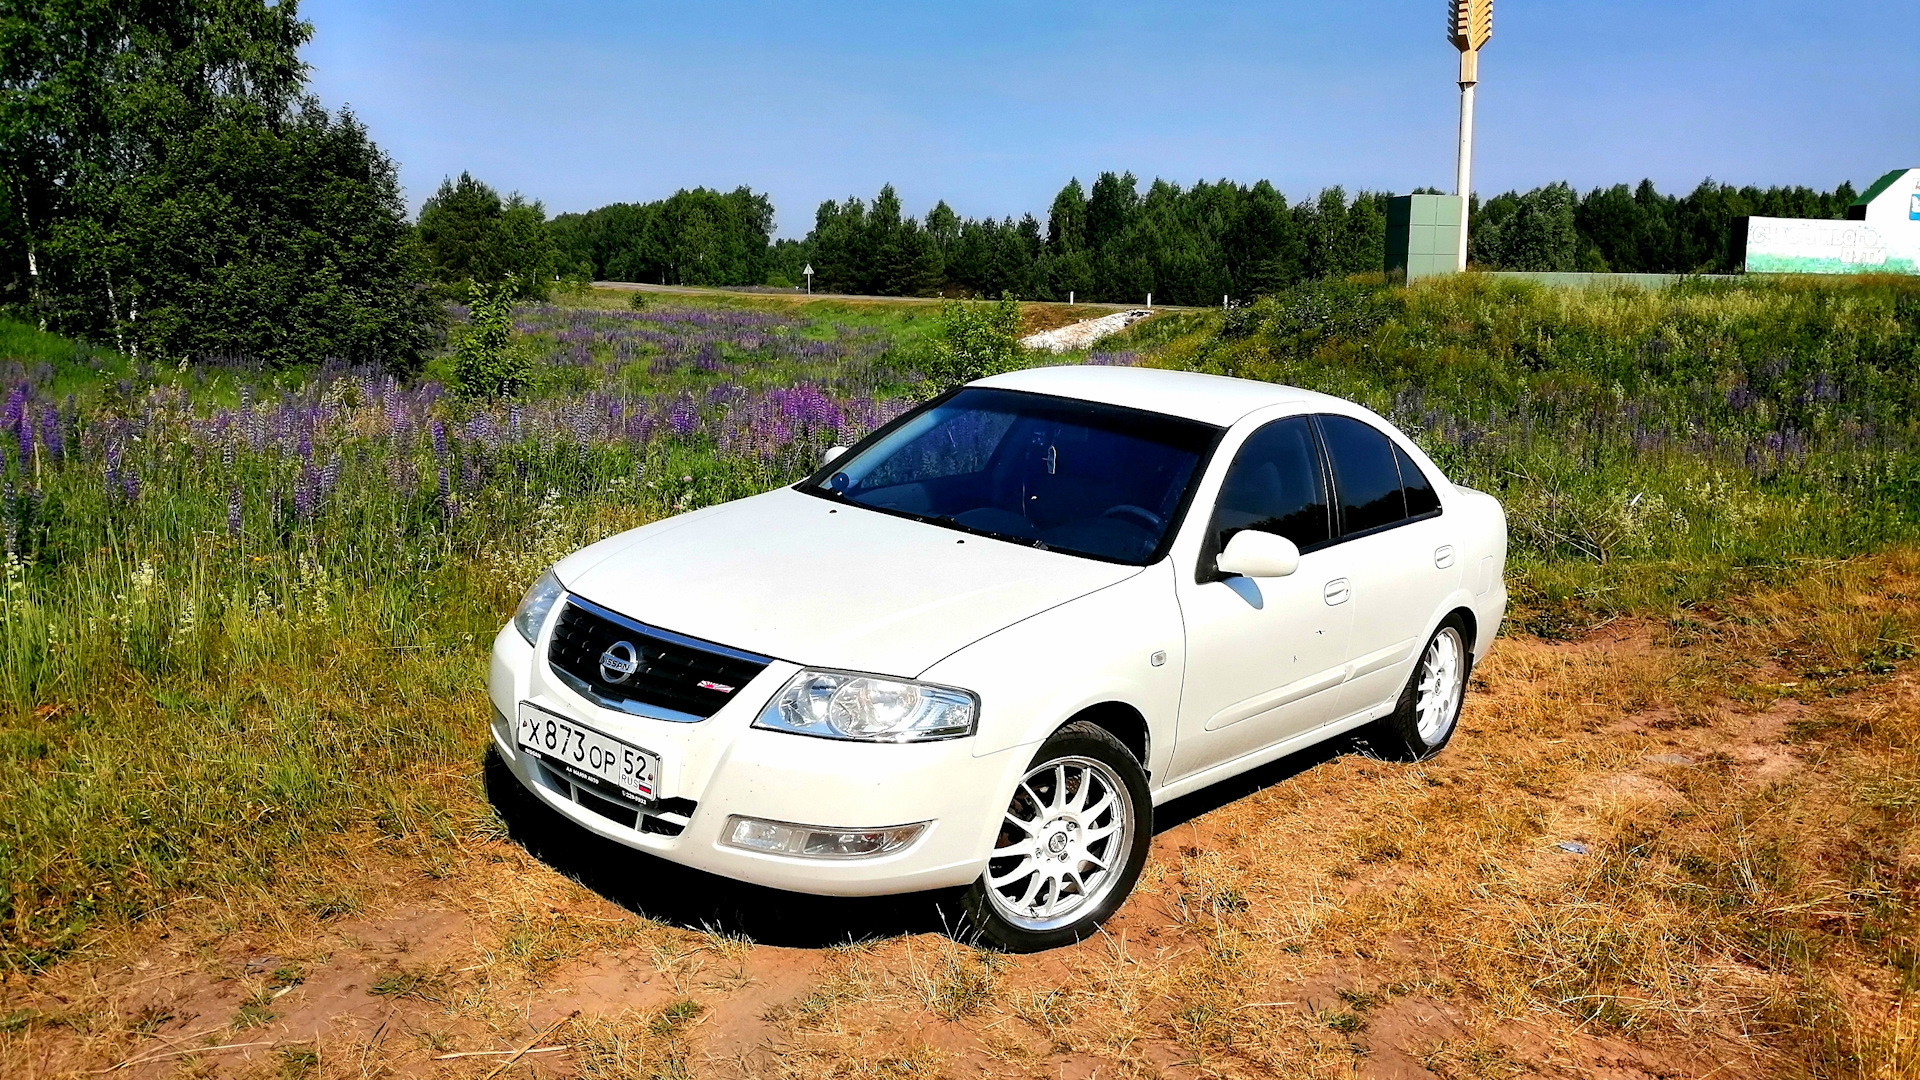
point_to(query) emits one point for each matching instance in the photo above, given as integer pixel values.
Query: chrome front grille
(671, 676)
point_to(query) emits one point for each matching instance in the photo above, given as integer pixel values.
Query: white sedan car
(979, 647)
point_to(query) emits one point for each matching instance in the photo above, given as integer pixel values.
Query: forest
(1115, 242)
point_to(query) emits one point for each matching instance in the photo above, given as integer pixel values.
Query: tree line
(697, 237)
(1115, 243)
(1638, 230)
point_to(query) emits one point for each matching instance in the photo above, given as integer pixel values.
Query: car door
(1402, 563)
(1266, 656)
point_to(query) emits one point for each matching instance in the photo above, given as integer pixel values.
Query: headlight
(843, 705)
(532, 612)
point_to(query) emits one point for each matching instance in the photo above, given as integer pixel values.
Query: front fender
(1034, 675)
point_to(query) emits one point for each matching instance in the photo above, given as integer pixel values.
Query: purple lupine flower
(330, 476)
(50, 434)
(130, 485)
(306, 444)
(683, 419)
(233, 511)
(439, 441)
(24, 426)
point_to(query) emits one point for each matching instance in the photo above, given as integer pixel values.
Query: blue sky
(993, 106)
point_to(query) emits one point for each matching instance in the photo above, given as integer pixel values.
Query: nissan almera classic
(979, 647)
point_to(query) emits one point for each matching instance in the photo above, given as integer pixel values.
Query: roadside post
(809, 272)
(1469, 26)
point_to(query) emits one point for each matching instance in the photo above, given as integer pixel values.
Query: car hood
(827, 584)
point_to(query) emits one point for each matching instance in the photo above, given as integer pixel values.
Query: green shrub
(488, 362)
(976, 339)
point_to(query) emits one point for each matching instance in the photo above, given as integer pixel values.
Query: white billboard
(1881, 235)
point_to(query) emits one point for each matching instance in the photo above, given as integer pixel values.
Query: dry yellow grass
(1739, 789)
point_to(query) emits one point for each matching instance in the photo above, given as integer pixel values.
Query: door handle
(1443, 556)
(1337, 591)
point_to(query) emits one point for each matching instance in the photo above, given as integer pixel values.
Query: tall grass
(244, 611)
(1650, 447)
(247, 611)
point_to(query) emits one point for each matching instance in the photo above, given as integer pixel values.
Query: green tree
(1534, 231)
(694, 237)
(470, 235)
(169, 187)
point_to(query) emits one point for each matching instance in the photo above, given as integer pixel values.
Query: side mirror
(832, 452)
(1255, 554)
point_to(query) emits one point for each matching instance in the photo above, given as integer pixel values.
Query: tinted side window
(1364, 475)
(1421, 498)
(1276, 485)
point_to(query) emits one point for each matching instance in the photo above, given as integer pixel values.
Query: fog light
(814, 842)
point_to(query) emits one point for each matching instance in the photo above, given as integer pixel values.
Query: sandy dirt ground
(1330, 915)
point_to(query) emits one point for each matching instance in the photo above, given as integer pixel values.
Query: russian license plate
(589, 754)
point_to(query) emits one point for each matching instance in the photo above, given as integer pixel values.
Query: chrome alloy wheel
(1440, 685)
(1062, 845)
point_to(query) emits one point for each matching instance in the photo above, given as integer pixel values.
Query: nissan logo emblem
(619, 662)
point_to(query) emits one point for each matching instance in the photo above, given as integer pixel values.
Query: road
(796, 294)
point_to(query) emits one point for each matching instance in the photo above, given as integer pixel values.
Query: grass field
(242, 721)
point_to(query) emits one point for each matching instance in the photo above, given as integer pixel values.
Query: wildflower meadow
(246, 610)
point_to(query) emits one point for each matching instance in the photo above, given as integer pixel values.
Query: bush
(179, 196)
(488, 362)
(976, 339)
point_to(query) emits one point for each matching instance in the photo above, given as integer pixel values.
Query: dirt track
(1279, 929)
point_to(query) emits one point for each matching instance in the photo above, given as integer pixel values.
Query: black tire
(1398, 736)
(1083, 747)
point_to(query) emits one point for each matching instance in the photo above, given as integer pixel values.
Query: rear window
(1421, 498)
(1365, 476)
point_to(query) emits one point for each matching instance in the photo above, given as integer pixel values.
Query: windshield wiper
(948, 521)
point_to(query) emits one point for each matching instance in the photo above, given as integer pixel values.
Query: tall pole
(1463, 179)
(1469, 26)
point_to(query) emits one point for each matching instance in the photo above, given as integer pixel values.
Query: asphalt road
(768, 291)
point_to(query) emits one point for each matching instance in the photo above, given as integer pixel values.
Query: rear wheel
(1428, 711)
(1070, 845)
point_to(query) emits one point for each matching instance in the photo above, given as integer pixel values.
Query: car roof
(1212, 399)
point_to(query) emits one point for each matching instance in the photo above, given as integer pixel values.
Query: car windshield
(1067, 475)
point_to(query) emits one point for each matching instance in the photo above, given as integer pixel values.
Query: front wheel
(1070, 844)
(1424, 718)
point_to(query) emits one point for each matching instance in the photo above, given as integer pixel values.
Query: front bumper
(724, 766)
